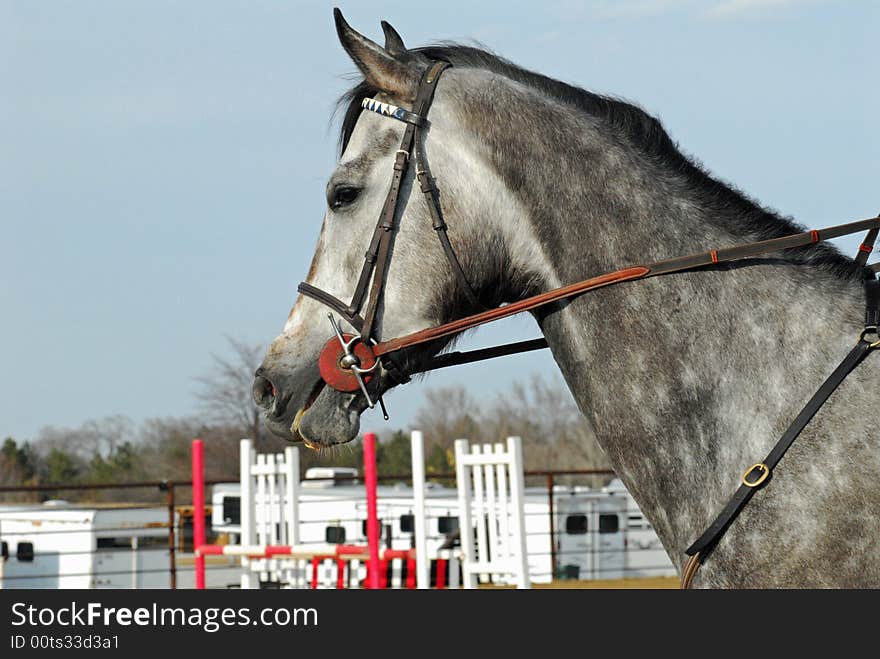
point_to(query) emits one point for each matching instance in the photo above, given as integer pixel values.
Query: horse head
(425, 282)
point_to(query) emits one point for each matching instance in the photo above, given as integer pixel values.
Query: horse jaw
(333, 418)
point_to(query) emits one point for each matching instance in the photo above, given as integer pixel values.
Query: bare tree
(555, 434)
(225, 393)
(450, 413)
(90, 438)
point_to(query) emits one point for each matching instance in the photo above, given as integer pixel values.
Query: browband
(393, 111)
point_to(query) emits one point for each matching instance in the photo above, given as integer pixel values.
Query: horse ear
(393, 40)
(390, 71)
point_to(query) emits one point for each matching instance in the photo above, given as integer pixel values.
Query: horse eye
(343, 195)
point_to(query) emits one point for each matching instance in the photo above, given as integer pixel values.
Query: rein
(679, 264)
(349, 361)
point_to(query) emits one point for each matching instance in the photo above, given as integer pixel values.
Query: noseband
(349, 361)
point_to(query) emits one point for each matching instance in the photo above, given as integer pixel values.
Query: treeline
(115, 450)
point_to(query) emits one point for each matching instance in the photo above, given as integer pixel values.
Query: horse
(684, 379)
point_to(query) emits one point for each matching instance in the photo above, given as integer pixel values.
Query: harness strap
(424, 96)
(670, 266)
(866, 247)
(386, 224)
(456, 326)
(333, 302)
(429, 189)
(448, 359)
(378, 253)
(759, 474)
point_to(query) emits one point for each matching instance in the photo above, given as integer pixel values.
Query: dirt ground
(651, 583)
(647, 583)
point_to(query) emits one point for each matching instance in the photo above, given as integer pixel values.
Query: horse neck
(686, 379)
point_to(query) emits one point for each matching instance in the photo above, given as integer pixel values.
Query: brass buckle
(765, 472)
(870, 330)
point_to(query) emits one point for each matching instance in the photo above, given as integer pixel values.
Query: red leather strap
(679, 264)
(529, 303)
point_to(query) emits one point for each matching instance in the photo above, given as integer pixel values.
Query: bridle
(348, 361)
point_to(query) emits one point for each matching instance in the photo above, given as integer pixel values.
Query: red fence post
(198, 485)
(340, 573)
(410, 573)
(440, 579)
(372, 511)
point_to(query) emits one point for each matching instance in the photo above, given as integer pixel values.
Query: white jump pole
(248, 535)
(423, 577)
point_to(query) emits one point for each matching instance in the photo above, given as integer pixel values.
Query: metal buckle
(870, 330)
(765, 473)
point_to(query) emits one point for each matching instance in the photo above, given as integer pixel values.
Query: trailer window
(4, 550)
(637, 522)
(407, 523)
(124, 543)
(334, 535)
(25, 552)
(609, 523)
(576, 524)
(447, 524)
(232, 510)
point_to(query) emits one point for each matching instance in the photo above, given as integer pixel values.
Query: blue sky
(162, 164)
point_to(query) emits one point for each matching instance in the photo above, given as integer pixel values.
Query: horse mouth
(294, 427)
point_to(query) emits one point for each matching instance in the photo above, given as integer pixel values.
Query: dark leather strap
(872, 305)
(866, 247)
(762, 472)
(424, 96)
(458, 358)
(333, 302)
(386, 225)
(758, 475)
(429, 189)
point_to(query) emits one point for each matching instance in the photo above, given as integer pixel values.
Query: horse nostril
(264, 392)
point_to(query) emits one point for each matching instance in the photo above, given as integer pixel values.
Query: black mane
(640, 129)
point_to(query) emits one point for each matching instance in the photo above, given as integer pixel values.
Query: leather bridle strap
(429, 189)
(679, 264)
(866, 247)
(378, 253)
(333, 302)
(759, 474)
(448, 359)
(424, 96)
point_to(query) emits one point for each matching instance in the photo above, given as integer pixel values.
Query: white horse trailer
(645, 555)
(68, 546)
(590, 539)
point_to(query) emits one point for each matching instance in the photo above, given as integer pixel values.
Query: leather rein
(349, 361)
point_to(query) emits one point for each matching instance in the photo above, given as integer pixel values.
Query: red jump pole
(372, 513)
(198, 487)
